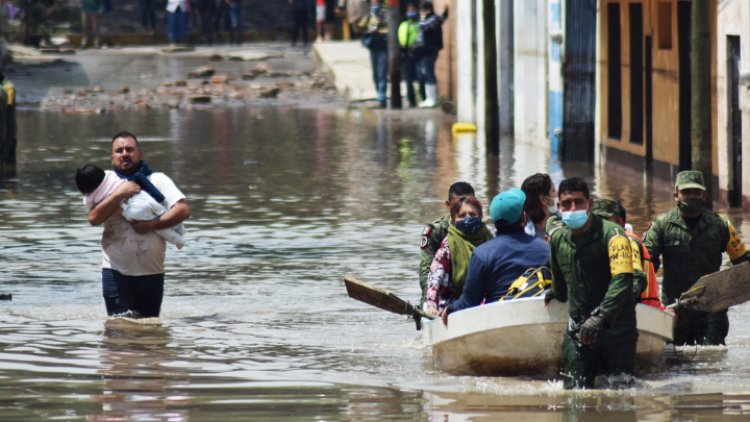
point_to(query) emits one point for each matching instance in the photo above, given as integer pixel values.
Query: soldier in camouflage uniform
(435, 232)
(691, 239)
(609, 209)
(592, 270)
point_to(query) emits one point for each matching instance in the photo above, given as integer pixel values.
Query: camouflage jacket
(593, 272)
(690, 254)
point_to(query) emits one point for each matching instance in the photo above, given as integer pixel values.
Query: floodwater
(256, 323)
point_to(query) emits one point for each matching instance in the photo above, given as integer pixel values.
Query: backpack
(533, 282)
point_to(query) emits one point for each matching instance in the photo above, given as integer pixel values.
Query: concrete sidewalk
(349, 63)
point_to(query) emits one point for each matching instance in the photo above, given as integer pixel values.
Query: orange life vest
(650, 296)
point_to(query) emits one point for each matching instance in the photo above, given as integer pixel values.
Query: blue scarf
(140, 176)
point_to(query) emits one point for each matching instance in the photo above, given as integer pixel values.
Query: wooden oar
(718, 291)
(382, 299)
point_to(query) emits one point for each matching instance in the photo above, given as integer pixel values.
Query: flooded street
(256, 323)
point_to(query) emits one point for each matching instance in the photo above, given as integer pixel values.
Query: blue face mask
(412, 15)
(375, 10)
(469, 225)
(575, 219)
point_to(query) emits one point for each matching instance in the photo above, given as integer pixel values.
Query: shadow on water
(256, 323)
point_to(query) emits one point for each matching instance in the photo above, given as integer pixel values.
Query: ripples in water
(256, 323)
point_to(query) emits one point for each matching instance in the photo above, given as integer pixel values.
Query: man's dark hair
(503, 227)
(88, 178)
(460, 189)
(126, 134)
(573, 184)
(533, 186)
(426, 5)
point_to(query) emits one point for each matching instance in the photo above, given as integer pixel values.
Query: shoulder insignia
(423, 242)
(427, 230)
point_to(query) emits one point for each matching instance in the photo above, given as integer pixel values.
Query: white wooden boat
(523, 336)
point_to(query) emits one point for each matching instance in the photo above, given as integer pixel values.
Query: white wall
(530, 80)
(465, 56)
(733, 18)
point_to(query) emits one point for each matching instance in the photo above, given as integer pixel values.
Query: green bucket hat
(605, 207)
(690, 179)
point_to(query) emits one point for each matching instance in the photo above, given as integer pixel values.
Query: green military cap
(605, 207)
(690, 179)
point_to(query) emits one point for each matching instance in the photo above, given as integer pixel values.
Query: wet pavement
(102, 80)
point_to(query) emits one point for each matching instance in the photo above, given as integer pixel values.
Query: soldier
(691, 239)
(592, 270)
(645, 285)
(435, 232)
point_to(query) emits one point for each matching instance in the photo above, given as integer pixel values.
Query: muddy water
(256, 324)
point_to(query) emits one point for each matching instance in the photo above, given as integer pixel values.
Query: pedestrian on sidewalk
(235, 21)
(299, 17)
(207, 14)
(177, 20)
(408, 32)
(375, 28)
(148, 16)
(91, 12)
(429, 44)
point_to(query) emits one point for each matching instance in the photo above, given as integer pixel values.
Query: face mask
(469, 225)
(411, 15)
(690, 206)
(375, 10)
(575, 219)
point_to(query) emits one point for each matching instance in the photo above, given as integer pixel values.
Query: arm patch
(735, 247)
(620, 255)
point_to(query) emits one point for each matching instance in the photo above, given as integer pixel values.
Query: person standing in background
(408, 32)
(177, 14)
(428, 45)
(375, 39)
(299, 16)
(91, 13)
(148, 15)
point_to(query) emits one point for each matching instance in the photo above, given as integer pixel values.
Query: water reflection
(256, 322)
(137, 381)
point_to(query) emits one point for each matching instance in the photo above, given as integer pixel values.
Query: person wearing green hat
(495, 264)
(592, 270)
(690, 239)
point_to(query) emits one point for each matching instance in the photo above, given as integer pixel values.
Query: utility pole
(492, 107)
(394, 52)
(700, 102)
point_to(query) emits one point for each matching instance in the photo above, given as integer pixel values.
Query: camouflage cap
(605, 207)
(690, 179)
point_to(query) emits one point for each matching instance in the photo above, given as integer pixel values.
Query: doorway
(734, 114)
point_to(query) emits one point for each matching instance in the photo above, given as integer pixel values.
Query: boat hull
(524, 337)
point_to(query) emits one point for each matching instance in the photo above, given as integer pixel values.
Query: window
(664, 25)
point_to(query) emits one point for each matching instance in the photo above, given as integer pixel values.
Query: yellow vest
(407, 33)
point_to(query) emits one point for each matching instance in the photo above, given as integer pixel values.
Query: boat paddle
(717, 291)
(383, 299)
